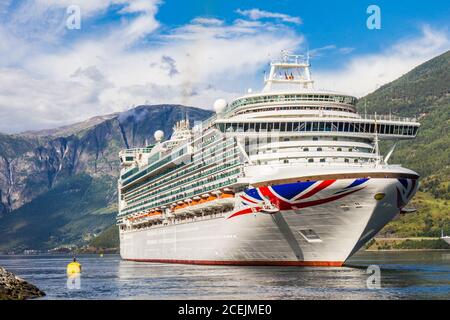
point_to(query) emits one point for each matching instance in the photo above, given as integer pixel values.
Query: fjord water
(404, 275)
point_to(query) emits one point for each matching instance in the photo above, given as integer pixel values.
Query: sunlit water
(404, 275)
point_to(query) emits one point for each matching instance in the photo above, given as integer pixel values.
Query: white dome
(219, 105)
(159, 135)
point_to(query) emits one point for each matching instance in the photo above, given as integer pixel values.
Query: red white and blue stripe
(297, 195)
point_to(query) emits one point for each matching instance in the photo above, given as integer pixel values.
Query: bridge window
(289, 126)
(315, 126)
(321, 126)
(308, 126)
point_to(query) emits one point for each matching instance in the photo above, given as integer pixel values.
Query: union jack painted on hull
(296, 195)
(405, 191)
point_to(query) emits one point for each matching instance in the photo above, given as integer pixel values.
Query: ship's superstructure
(288, 176)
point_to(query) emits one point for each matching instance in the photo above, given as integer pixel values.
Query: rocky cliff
(83, 158)
(15, 288)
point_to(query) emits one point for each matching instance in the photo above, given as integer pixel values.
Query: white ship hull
(341, 226)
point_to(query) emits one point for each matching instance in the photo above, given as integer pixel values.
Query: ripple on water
(420, 275)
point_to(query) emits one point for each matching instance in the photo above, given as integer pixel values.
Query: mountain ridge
(68, 178)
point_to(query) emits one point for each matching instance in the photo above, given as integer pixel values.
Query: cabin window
(339, 149)
(310, 160)
(355, 161)
(305, 149)
(322, 160)
(319, 149)
(346, 160)
(315, 138)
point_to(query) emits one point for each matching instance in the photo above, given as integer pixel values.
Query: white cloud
(60, 82)
(256, 14)
(56, 77)
(365, 73)
(208, 21)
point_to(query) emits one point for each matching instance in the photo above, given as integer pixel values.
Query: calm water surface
(404, 275)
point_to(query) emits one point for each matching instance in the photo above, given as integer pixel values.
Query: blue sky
(130, 52)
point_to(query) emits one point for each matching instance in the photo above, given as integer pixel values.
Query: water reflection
(419, 275)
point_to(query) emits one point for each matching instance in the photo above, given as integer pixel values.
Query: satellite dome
(219, 105)
(159, 135)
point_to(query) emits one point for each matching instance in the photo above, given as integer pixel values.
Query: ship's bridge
(290, 87)
(290, 73)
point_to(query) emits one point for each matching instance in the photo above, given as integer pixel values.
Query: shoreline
(13, 287)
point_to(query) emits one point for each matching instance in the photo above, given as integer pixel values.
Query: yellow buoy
(73, 267)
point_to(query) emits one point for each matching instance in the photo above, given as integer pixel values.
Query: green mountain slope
(422, 92)
(69, 213)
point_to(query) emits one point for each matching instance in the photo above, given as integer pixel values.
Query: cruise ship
(289, 176)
